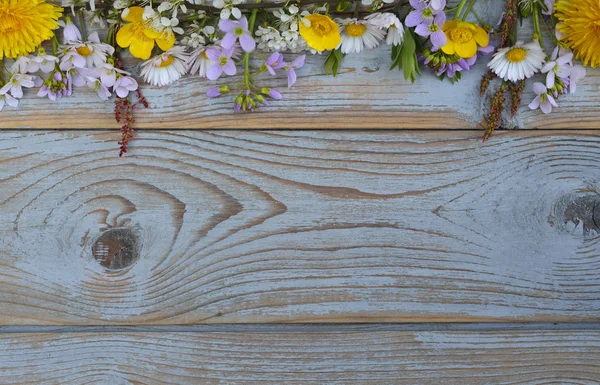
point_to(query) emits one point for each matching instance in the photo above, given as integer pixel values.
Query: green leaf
(405, 58)
(332, 62)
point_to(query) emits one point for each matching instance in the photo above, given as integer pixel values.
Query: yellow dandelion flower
(321, 34)
(580, 26)
(140, 37)
(463, 38)
(25, 24)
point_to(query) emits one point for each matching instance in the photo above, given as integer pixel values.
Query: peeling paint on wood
(390, 358)
(292, 226)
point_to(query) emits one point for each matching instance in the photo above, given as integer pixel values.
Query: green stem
(536, 25)
(82, 25)
(247, 77)
(469, 8)
(55, 45)
(459, 8)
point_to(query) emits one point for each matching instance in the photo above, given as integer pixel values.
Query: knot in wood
(117, 249)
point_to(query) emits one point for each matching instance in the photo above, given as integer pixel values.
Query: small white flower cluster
(271, 39)
(159, 20)
(286, 37)
(228, 8)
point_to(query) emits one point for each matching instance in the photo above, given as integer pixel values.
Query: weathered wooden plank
(365, 95)
(299, 358)
(234, 227)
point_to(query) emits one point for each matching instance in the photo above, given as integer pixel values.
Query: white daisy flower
(389, 21)
(199, 63)
(518, 62)
(92, 51)
(357, 34)
(166, 68)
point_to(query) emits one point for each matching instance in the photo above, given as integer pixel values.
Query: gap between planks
(312, 328)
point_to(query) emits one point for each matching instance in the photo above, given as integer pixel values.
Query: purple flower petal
(229, 68)
(213, 92)
(539, 88)
(546, 108)
(271, 70)
(247, 42)
(298, 62)
(417, 4)
(291, 76)
(440, 19)
(228, 40)
(535, 103)
(414, 18)
(213, 53)
(227, 25)
(275, 94)
(273, 58)
(243, 23)
(423, 30)
(439, 38)
(214, 72)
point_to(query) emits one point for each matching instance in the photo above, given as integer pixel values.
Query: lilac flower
(543, 100)
(7, 99)
(216, 91)
(222, 63)
(96, 85)
(43, 62)
(124, 85)
(274, 62)
(560, 67)
(272, 92)
(296, 63)
(17, 82)
(55, 87)
(423, 12)
(71, 33)
(578, 72)
(433, 29)
(235, 30)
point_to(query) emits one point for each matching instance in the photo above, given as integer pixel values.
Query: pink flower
(235, 30)
(222, 63)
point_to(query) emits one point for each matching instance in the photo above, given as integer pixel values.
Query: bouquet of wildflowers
(217, 39)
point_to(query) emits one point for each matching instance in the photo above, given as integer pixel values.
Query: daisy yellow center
(516, 55)
(355, 30)
(580, 27)
(166, 62)
(24, 24)
(84, 50)
(461, 35)
(204, 55)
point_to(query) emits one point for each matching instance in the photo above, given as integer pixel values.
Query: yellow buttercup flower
(25, 24)
(580, 26)
(140, 37)
(463, 38)
(322, 33)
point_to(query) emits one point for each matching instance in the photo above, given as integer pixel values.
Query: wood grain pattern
(366, 94)
(291, 226)
(388, 358)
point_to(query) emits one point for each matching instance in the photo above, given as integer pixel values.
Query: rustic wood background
(354, 256)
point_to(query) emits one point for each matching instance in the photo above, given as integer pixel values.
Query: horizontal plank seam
(312, 328)
(331, 130)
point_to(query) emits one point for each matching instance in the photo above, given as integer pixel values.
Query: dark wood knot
(117, 249)
(579, 210)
